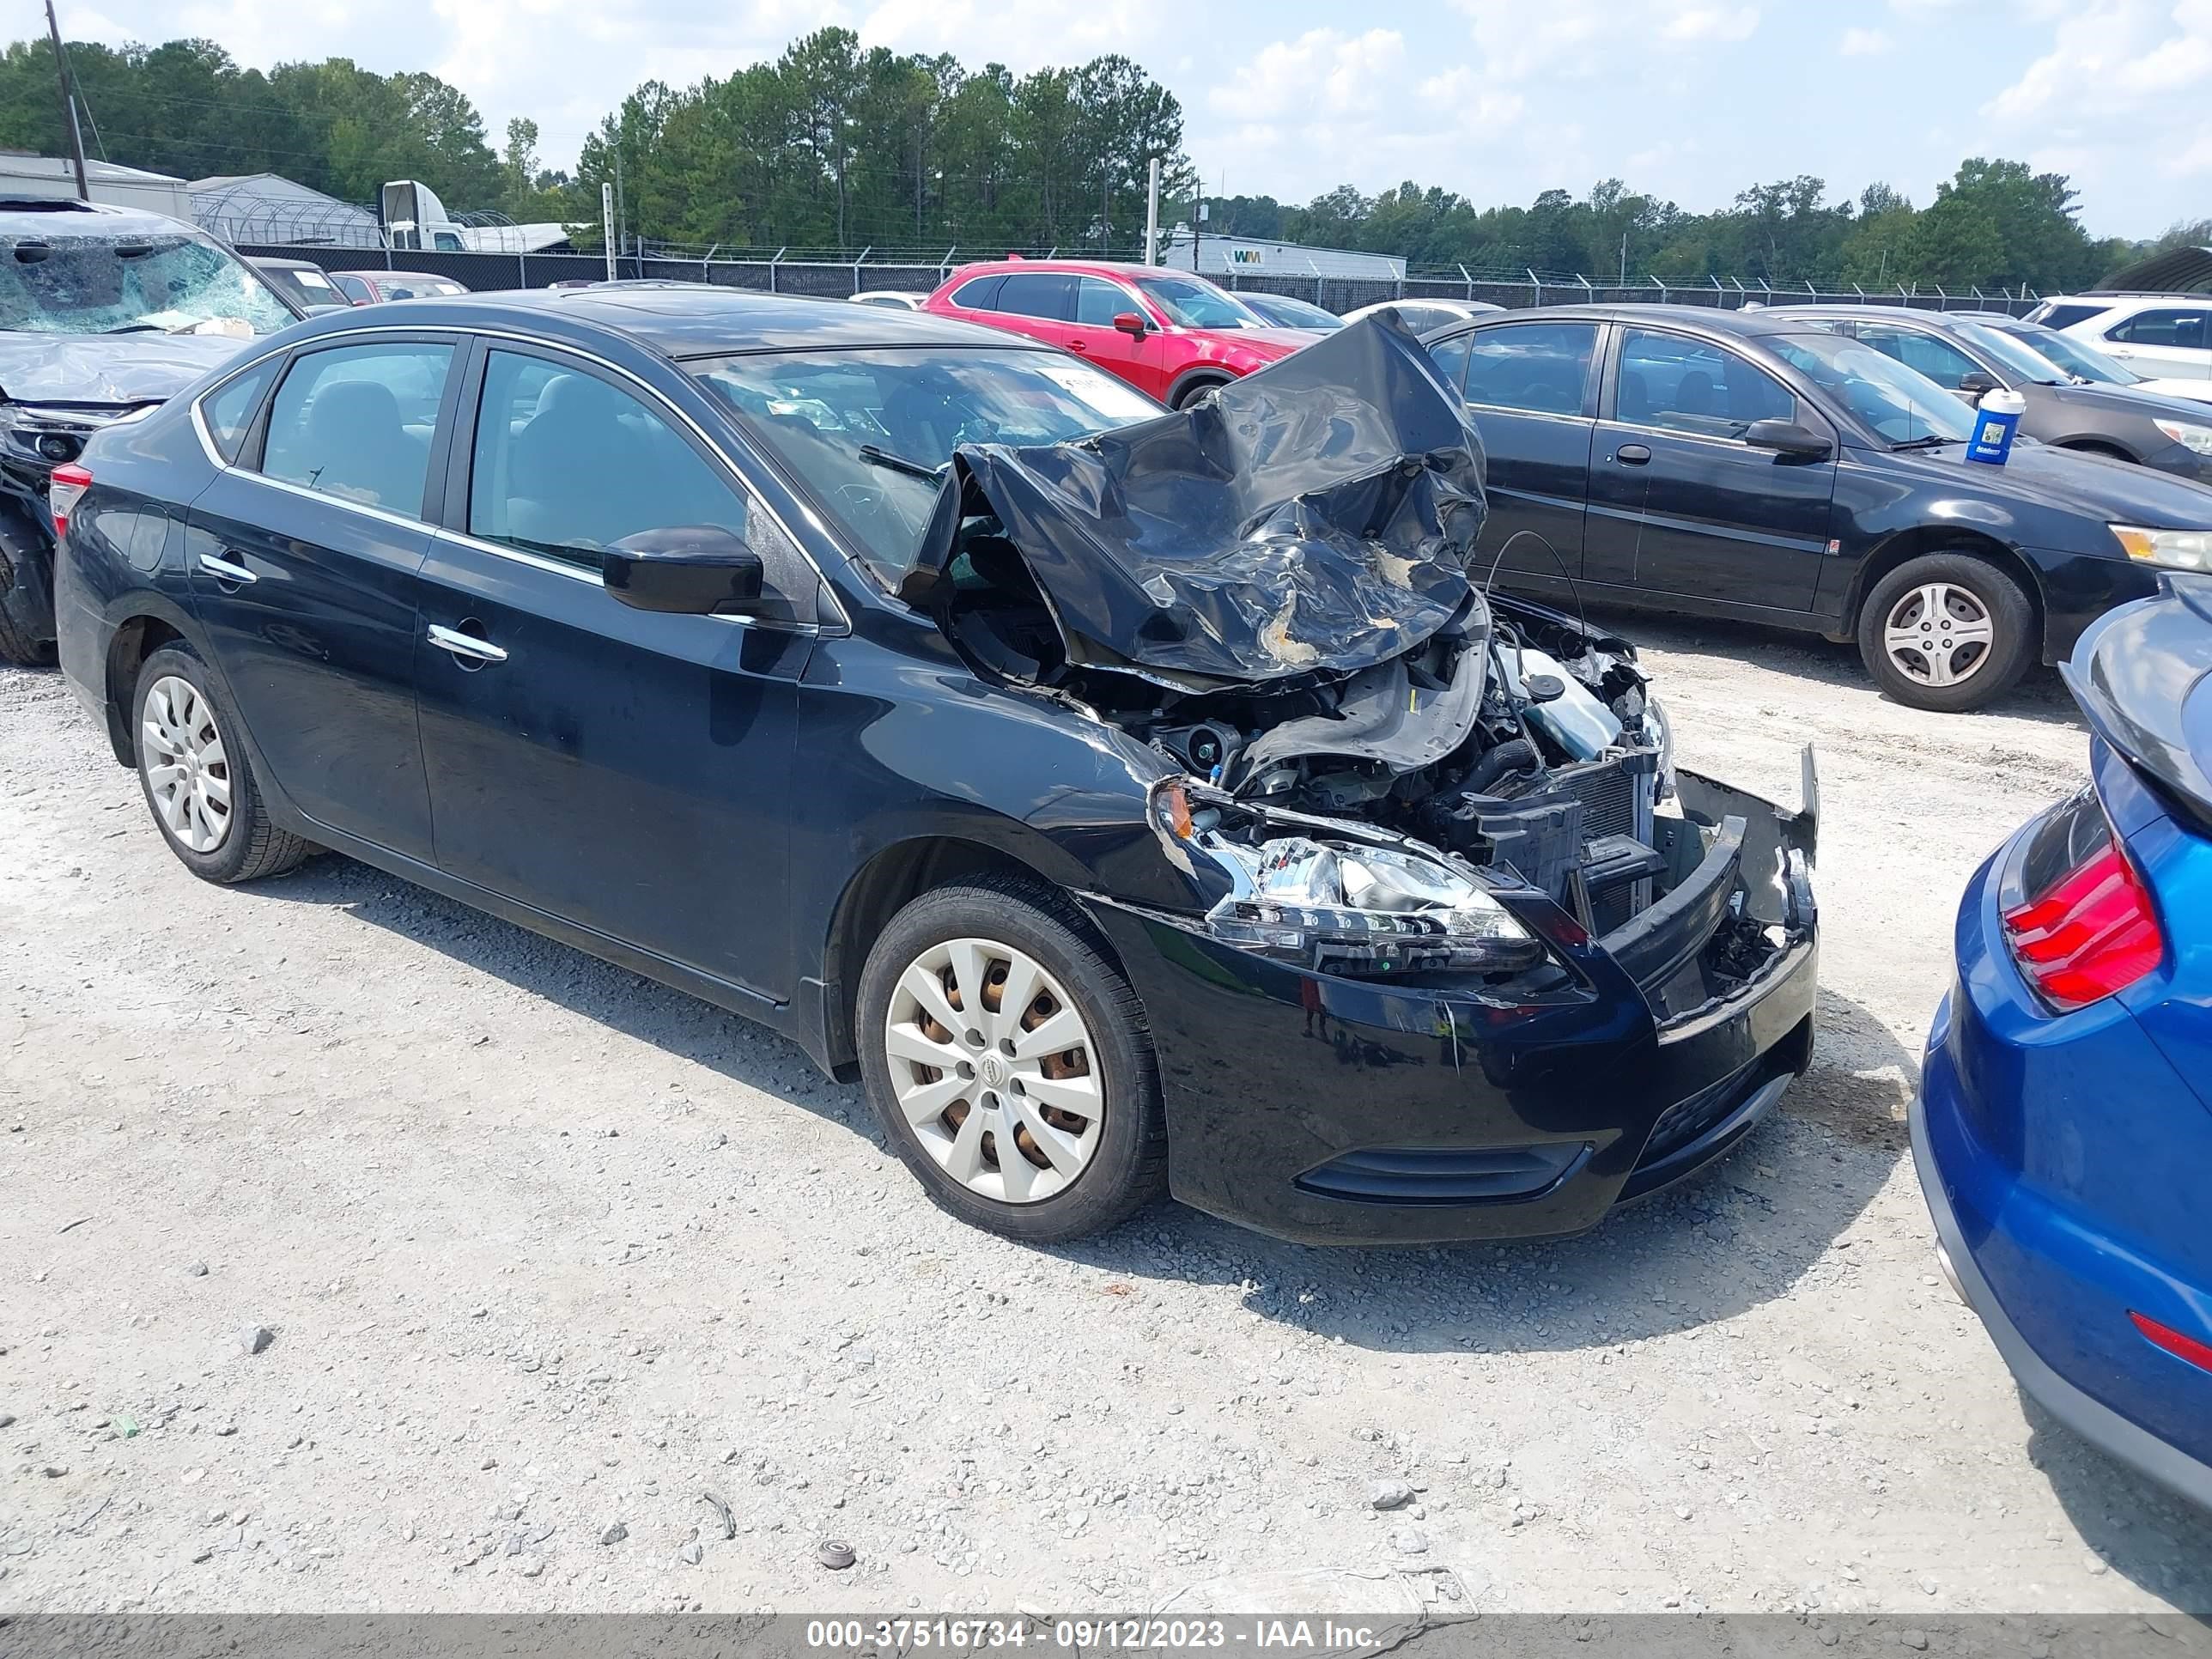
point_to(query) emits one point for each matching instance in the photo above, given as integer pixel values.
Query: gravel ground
(543, 1253)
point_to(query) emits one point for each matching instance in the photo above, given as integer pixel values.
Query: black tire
(1995, 671)
(1128, 1168)
(18, 645)
(251, 846)
(1189, 393)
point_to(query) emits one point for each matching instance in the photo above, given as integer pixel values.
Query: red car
(1166, 332)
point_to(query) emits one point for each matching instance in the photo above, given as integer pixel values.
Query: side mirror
(1974, 384)
(1788, 438)
(699, 570)
(1130, 322)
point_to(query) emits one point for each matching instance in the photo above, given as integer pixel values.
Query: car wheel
(17, 644)
(1187, 395)
(1010, 1062)
(196, 778)
(1946, 631)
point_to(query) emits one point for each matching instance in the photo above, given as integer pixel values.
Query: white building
(50, 179)
(1248, 256)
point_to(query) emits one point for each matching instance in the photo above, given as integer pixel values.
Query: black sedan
(1760, 465)
(1966, 355)
(1135, 800)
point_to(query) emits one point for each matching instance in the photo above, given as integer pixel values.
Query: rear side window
(1047, 295)
(357, 422)
(2067, 316)
(2184, 329)
(1682, 385)
(981, 295)
(1543, 367)
(227, 412)
(565, 463)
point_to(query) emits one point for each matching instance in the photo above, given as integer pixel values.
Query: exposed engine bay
(1272, 589)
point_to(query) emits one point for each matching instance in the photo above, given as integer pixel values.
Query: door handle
(1078, 345)
(224, 571)
(1633, 454)
(465, 645)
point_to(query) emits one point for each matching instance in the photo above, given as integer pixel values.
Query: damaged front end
(1446, 828)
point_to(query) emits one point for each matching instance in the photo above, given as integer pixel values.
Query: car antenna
(1573, 586)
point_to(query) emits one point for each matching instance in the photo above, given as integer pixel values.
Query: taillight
(65, 487)
(2181, 1347)
(2087, 929)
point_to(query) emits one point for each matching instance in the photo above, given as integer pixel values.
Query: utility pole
(1197, 228)
(1152, 212)
(69, 133)
(607, 224)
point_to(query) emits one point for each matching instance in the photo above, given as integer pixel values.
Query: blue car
(2064, 1134)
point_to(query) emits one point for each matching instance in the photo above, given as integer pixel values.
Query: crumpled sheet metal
(123, 368)
(1316, 515)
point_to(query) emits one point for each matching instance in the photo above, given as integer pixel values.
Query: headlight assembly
(2172, 549)
(1339, 908)
(2190, 436)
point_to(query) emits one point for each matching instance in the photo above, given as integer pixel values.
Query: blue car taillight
(2079, 923)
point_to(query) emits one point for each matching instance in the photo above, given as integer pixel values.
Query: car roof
(1884, 313)
(1126, 270)
(21, 216)
(1716, 319)
(692, 320)
(269, 262)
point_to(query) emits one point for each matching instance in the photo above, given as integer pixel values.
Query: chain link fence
(832, 279)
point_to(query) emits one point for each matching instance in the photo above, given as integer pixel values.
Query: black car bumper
(27, 591)
(1332, 1110)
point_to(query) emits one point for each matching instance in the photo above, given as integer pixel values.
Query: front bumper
(1331, 1110)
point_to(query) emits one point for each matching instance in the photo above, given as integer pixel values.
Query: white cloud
(1865, 43)
(1712, 23)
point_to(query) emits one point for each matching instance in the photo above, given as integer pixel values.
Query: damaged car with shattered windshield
(104, 312)
(1135, 802)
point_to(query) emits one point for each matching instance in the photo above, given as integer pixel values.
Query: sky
(1688, 99)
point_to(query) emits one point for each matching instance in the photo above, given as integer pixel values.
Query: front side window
(1196, 303)
(1682, 385)
(1543, 367)
(156, 285)
(227, 412)
(1098, 302)
(1047, 295)
(357, 422)
(1937, 358)
(2174, 329)
(868, 435)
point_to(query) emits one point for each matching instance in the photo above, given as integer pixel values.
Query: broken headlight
(1343, 909)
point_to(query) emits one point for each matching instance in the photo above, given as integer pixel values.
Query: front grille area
(1607, 791)
(1444, 1175)
(1687, 1120)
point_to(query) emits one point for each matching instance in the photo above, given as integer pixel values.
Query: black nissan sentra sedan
(1136, 801)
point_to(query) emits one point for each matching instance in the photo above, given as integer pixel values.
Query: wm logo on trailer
(1245, 256)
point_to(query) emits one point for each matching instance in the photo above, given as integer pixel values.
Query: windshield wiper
(1933, 440)
(136, 328)
(883, 457)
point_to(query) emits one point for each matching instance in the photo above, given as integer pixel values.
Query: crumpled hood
(1317, 514)
(2143, 676)
(120, 368)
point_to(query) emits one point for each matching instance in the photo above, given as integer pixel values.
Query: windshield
(2014, 353)
(2082, 361)
(867, 434)
(1196, 303)
(1901, 404)
(1287, 312)
(170, 284)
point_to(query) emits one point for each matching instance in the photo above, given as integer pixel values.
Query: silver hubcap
(995, 1070)
(1939, 633)
(187, 773)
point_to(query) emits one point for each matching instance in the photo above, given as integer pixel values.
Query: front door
(1138, 359)
(1529, 389)
(1679, 505)
(626, 771)
(305, 560)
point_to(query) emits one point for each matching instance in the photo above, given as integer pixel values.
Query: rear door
(305, 560)
(1038, 303)
(1679, 504)
(2173, 341)
(626, 771)
(1529, 387)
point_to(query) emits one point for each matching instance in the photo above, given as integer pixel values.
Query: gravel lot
(546, 1252)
